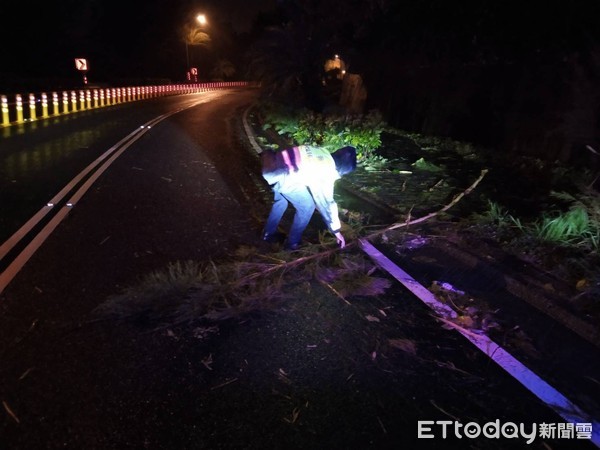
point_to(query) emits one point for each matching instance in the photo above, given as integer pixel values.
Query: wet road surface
(315, 373)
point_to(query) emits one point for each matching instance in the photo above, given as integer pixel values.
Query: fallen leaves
(10, 412)
(293, 416)
(225, 383)
(465, 321)
(205, 331)
(582, 284)
(477, 318)
(283, 376)
(406, 345)
(207, 362)
(22, 377)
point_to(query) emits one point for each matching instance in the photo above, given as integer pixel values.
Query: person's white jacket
(305, 166)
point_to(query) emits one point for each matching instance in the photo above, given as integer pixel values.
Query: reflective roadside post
(55, 104)
(5, 116)
(32, 114)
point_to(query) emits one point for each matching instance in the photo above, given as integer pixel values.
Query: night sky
(512, 73)
(131, 38)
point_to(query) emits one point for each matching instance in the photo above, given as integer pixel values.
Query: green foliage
(280, 118)
(376, 163)
(191, 292)
(426, 165)
(577, 227)
(570, 228)
(329, 131)
(500, 216)
(496, 213)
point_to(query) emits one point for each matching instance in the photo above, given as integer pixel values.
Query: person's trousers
(304, 204)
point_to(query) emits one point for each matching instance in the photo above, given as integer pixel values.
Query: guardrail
(21, 109)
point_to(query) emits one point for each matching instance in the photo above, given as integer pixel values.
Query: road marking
(110, 156)
(17, 264)
(553, 398)
(31, 223)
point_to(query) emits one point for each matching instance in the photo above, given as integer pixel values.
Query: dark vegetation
(447, 90)
(556, 226)
(447, 82)
(517, 77)
(450, 69)
(449, 93)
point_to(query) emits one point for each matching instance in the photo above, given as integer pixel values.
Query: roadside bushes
(570, 228)
(579, 227)
(331, 131)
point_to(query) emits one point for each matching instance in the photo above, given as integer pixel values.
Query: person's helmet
(345, 159)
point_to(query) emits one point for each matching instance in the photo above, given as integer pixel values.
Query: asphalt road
(315, 375)
(180, 192)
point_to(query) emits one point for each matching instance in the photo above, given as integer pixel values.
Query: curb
(514, 286)
(532, 296)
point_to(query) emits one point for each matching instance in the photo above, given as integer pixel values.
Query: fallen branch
(589, 147)
(433, 214)
(408, 222)
(218, 386)
(445, 412)
(288, 265)
(335, 291)
(10, 412)
(457, 327)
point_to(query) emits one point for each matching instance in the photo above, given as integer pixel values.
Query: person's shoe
(292, 247)
(273, 238)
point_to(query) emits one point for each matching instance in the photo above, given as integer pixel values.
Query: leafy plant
(280, 118)
(330, 131)
(422, 164)
(496, 213)
(500, 216)
(570, 228)
(186, 293)
(375, 163)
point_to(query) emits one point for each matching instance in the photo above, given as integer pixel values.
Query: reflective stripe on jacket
(305, 166)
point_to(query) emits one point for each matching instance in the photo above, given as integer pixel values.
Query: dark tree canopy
(518, 74)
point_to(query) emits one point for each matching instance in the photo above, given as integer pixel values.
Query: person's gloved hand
(340, 239)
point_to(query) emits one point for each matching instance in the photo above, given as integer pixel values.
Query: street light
(193, 37)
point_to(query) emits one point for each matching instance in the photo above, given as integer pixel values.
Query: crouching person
(304, 176)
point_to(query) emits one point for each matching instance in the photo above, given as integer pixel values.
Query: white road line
(554, 399)
(409, 282)
(8, 245)
(550, 396)
(17, 264)
(112, 154)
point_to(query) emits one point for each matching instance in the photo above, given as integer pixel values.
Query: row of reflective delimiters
(72, 101)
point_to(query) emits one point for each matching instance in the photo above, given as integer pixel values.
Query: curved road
(320, 376)
(48, 176)
(182, 191)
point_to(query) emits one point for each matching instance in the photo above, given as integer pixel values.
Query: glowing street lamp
(190, 36)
